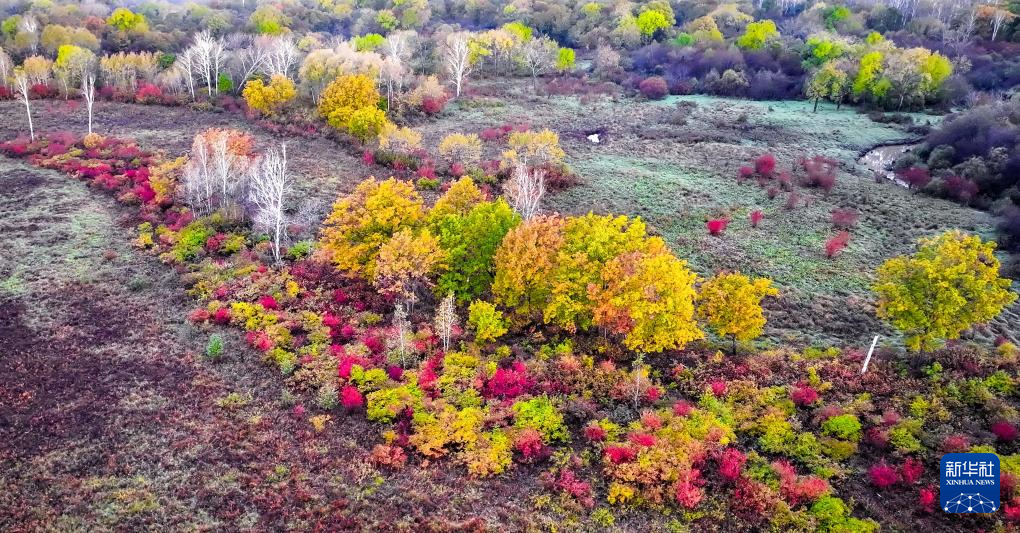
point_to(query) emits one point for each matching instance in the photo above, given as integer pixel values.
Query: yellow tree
(405, 263)
(590, 241)
(459, 199)
(269, 99)
(525, 262)
(730, 304)
(360, 224)
(345, 96)
(951, 283)
(647, 296)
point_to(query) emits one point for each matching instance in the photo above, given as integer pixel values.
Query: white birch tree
(22, 84)
(457, 58)
(268, 188)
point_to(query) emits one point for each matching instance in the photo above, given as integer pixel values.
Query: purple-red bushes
(745, 172)
(914, 177)
(804, 395)
(820, 171)
(765, 165)
(883, 476)
(148, 93)
(835, 245)
(756, 217)
(509, 382)
(731, 463)
(1004, 431)
(960, 188)
(844, 218)
(911, 470)
(351, 398)
(716, 226)
(653, 88)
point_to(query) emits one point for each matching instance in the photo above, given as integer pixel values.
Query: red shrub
(259, 340)
(642, 439)
(804, 395)
(41, 90)
(765, 165)
(844, 218)
(836, 244)
(651, 420)
(682, 408)
(1004, 431)
(926, 499)
(433, 106)
(745, 172)
(580, 490)
(877, 437)
(718, 388)
(687, 492)
(374, 344)
(492, 134)
(652, 394)
(716, 225)
(594, 432)
(347, 331)
(653, 88)
(915, 177)
(883, 476)
(772, 192)
(351, 398)
(368, 158)
(731, 463)
(395, 372)
(1007, 484)
(960, 188)
(792, 200)
(298, 411)
(911, 470)
(956, 444)
(222, 316)
(509, 383)
(457, 169)
(5, 93)
(148, 93)
(752, 500)
(529, 443)
(388, 455)
(620, 454)
(756, 217)
(1012, 509)
(198, 315)
(820, 171)
(268, 303)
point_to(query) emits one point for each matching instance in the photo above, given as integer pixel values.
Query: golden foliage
(951, 283)
(461, 148)
(269, 98)
(361, 223)
(730, 303)
(346, 95)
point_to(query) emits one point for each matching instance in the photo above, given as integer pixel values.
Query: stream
(881, 158)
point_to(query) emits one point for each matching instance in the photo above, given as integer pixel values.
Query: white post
(868, 358)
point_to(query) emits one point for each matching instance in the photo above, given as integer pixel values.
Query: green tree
(470, 241)
(949, 284)
(565, 60)
(758, 34)
(827, 82)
